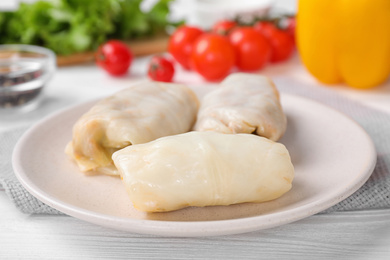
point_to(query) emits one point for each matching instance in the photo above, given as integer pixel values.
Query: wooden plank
(138, 48)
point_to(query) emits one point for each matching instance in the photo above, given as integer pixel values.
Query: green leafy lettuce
(71, 26)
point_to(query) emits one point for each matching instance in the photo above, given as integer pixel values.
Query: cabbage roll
(138, 114)
(243, 103)
(204, 169)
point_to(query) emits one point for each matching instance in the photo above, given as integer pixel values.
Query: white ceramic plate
(332, 155)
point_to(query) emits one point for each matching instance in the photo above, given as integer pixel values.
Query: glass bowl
(24, 71)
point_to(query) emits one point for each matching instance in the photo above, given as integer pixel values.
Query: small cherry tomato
(264, 27)
(288, 24)
(252, 48)
(161, 69)
(223, 27)
(291, 27)
(213, 56)
(181, 43)
(282, 43)
(114, 57)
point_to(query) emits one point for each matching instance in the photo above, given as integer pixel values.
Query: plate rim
(197, 228)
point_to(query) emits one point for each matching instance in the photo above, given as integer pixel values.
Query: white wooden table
(342, 235)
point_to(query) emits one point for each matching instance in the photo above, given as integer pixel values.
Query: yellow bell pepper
(345, 40)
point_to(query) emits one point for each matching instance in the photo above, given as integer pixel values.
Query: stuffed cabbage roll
(204, 169)
(243, 103)
(138, 114)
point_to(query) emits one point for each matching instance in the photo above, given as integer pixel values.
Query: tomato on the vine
(114, 57)
(282, 43)
(223, 27)
(252, 48)
(161, 69)
(291, 27)
(264, 27)
(181, 43)
(213, 56)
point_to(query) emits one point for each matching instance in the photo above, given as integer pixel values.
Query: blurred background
(343, 43)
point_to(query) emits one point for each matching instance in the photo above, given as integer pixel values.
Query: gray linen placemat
(373, 194)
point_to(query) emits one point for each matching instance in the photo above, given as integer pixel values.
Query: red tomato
(281, 42)
(181, 43)
(252, 48)
(264, 27)
(115, 57)
(213, 56)
(291, 27)
(223, 27)
(161, 69)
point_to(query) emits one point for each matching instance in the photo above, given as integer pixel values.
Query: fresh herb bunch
(72, 26)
